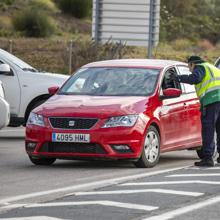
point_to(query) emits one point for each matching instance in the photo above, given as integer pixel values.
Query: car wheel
(200, 154)
(42, 161)
(151, 149)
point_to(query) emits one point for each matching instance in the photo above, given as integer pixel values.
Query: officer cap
(195, 59)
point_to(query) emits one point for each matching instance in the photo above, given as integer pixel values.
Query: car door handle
(185, 105)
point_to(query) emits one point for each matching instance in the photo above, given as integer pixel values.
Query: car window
(168, 82)
(184, 70)
(16, 61)
(112, 81)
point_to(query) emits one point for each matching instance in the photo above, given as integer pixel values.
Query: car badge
(71, 123)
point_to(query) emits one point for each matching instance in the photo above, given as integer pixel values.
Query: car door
(12, 89)
(192, 104)
(172, 114)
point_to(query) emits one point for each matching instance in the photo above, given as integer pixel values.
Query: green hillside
(18, 14)
(43, 32)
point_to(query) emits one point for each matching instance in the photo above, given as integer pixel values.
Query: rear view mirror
(171, 93)
(53, 90)
(4, 69)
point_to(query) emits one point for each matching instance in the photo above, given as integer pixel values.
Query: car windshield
(18, 62)
(105, 81)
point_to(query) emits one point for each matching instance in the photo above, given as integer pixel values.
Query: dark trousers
(210, 118)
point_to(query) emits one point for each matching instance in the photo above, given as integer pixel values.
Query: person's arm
(196, 77)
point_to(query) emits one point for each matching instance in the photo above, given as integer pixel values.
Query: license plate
(64, 137)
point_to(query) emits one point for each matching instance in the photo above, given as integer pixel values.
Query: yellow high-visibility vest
(208, 90)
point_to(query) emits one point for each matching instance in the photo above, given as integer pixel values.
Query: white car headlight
(121, 121)
(35, 119)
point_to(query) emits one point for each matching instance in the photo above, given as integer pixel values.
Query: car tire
(42, 161)
(151, 149)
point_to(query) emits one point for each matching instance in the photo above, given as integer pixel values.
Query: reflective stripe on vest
(210, 82)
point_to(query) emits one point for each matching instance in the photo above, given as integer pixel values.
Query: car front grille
(72, 123)
(61, 147)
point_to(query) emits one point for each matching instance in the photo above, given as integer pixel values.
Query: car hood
(91, 106)
(46, 80)
(55, 76)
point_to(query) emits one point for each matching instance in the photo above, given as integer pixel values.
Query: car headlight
(35, 119)
(122, 121)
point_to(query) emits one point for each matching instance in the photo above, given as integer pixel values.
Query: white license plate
(65, 137)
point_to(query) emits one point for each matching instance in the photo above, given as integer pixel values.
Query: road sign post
(135, 23)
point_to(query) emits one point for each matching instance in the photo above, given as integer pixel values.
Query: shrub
(5, 27)
(182, 44)
(46, 5)
(89, 51)
(33, 23)
(5, 3)
(77, 8)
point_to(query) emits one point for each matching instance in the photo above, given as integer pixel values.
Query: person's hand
(175, 78)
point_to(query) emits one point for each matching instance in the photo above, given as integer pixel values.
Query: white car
(217, 63)
(4, 109)
(25, 87)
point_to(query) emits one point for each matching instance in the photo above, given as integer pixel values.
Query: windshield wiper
(29, 69)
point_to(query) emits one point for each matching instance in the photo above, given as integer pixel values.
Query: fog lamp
(121, 148)
(30, 146)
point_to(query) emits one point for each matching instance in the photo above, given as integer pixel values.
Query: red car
(116, 109)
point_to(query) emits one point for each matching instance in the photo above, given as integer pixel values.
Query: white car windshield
(112, 81)
(16, 61)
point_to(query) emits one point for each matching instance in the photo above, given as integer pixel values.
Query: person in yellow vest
(206, 78)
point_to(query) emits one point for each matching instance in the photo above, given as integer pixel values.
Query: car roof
(153, 63)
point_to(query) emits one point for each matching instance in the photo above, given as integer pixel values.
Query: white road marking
(203, 168)
(99, 202)
(192, 168)
(184, 210)
(5, 131)
(213, 168)
(194, 175)
(170, 183)
(33, 218)
(85, 186)
(165, 191)
(13, 130)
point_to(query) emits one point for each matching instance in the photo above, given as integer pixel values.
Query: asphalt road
(96, 190)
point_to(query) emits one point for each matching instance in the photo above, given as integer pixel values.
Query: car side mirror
(5, 69)
(53, 90)
(171, 93)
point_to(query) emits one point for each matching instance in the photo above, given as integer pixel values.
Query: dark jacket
(196, 77)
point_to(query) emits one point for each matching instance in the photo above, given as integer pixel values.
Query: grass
(53, 54)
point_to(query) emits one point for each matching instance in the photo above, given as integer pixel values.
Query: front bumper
(101, 146)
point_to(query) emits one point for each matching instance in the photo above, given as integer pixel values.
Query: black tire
(42, 161)
(151, 151)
